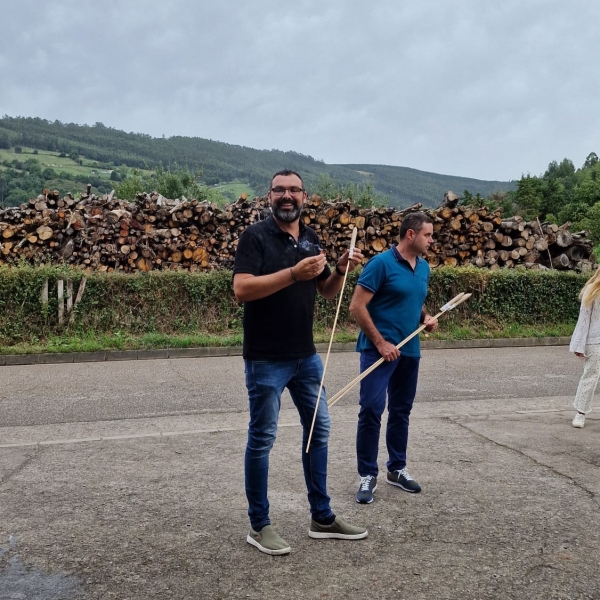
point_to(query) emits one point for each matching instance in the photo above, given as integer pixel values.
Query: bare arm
(332, 285)
(247, 287)
(358, 308)
(329, 287)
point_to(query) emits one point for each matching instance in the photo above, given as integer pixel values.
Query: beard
(287, 216)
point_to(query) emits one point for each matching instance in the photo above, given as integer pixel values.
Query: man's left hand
(350, 262)
(430, 323)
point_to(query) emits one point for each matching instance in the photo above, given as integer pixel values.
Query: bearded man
(278, 270)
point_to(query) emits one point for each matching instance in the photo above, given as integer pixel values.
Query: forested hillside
(562, 194)
(414, 185)
(114, 150)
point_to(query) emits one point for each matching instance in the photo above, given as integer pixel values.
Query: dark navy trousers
(398, 381)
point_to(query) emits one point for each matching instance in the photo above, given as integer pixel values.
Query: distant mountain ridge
(412, 185)
(221, 162)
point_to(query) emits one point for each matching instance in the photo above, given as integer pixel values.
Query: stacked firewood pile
(108, 234)
(465, 235)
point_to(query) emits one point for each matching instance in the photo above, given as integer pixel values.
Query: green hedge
(179, 302)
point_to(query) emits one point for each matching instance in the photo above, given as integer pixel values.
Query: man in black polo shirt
(278, 270)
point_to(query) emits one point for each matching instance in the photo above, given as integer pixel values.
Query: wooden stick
(69, 296)
(337, 312)
(61, 302)
(78, 298)
(80, 290)
(459, 299)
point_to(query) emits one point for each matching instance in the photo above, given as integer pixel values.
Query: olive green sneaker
(338, 530)
(267, 541)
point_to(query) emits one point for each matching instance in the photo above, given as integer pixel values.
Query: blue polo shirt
(399, 296)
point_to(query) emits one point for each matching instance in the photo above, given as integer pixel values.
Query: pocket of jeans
(253, 370)
(257, 367)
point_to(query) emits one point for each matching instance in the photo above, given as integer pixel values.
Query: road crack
(37, 451)
(592, 495)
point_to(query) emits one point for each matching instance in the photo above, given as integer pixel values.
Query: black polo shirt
(278, 327)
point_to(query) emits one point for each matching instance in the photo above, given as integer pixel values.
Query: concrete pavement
(125, 480)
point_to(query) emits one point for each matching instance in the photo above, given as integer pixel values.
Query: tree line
(221, 163)
(562, 194)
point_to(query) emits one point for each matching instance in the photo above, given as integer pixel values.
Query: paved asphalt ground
(125, 480)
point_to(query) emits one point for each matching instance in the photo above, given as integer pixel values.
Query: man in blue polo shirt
(388, 305)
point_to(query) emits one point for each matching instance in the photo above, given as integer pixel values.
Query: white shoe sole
(402, 487)
(371, 500)
(323, 535)
(279, 552)
(578, 425)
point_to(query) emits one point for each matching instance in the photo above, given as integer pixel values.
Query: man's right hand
(388, 351)
(309, 268)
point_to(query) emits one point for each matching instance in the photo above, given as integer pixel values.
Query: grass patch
(342, 335)
(47, 158)
(91, 342)
(53, 160)
(98, 342)
(232, 191)
(466, 331)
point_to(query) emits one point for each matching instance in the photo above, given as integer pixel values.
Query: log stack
(465, 235)
(153, 232)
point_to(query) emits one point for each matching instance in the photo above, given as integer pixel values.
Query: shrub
(176, 302)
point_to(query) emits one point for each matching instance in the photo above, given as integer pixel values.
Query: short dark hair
(285, 173)
(414, 221)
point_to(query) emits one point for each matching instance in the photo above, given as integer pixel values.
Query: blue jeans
(399, 379)
(266, 380)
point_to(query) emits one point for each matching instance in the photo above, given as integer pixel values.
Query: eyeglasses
(280, 191)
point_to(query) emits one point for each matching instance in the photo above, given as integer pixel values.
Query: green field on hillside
(24, 174)
(232, 191)
(53, 160)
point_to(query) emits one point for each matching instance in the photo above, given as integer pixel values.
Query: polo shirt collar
(401, 258)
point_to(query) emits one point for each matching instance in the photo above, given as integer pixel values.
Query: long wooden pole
(460, 298)
(337, 312)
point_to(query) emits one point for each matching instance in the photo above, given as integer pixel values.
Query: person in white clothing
(585, 343)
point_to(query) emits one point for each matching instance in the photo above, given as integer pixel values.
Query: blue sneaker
(366, 489)
(403, 480)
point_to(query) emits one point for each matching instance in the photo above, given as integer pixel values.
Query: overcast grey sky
(473, 88)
